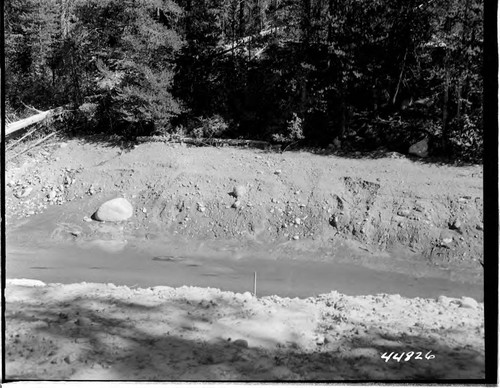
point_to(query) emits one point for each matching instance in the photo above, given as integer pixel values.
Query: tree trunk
(242, 19)
(444, 124)
(330, 22)
(459, 99)
(306, 23)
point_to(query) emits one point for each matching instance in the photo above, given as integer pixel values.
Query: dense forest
(361, 74)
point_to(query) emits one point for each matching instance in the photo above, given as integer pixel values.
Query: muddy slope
(429, 212)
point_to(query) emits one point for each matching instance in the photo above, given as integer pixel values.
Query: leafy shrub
(293, 132)
(466, 139)
(214, 126)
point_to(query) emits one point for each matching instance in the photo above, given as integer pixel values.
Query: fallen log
(21, 139)
(18, 125)
(246, 39)
(14, 127)
(34, 145)
(206, 141)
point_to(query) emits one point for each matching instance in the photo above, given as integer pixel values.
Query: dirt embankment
(299, 199)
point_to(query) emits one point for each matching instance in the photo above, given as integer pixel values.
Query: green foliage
(214, 126)
(370, 72)
(293, 132)
(135, 69)
(466, 139)
(121, 51)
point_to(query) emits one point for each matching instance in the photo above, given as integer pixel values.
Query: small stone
(237, 204)
(295, 237)
(144, 210)
(468, 303)
(320, 341)
(24, 193)
(83, 321)
(444, 300)
(277, 172)
(479, 227)
(446, 236)
(404, 213)
(241, 343)
(87, 219)
(68, 359)
(456, 225)
(298, 221)
(52, 195)
(63, 145)
(239, 191)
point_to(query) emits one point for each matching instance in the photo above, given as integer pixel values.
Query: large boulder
(118, 209)
(420, 149)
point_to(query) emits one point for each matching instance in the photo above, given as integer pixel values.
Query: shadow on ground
(73, 341)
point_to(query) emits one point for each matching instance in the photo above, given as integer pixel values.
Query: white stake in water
(255, 284)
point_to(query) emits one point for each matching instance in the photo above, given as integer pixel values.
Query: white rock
(25, 282)
(443, 300)
(420, 149)
(27, 191)
(469, 303)
(239, 191)
(118, 209)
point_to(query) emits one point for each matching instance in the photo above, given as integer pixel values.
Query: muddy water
(54, 247)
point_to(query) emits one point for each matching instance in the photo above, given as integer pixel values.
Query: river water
(35, 251)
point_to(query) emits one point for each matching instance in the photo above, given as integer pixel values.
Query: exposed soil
(97, 331)
(385, 213)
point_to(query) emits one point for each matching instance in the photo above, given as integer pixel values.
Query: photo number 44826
(407, 356)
